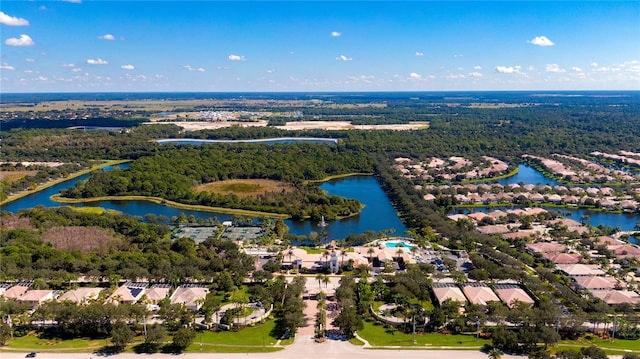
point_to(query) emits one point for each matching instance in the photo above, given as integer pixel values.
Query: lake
(529, 175)
(377, 215)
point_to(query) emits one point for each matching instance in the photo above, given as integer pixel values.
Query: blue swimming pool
(397, 244)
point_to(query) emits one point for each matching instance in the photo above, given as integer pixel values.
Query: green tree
(348, 321)
(5, 333)
(182, 338)
(156, 335)
(121, 335)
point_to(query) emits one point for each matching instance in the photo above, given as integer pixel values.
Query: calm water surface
(377, 215)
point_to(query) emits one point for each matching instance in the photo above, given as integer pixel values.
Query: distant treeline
(28, 123)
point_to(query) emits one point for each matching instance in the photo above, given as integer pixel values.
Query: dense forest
(172, 173)
(118, 245)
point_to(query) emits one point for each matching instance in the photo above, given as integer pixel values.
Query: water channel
(377, 215)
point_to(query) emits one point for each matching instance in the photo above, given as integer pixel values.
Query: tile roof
(617, 296)
(510, 293)
(479, 294)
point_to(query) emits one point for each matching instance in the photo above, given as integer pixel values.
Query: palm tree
(370, 252)
(495, 353)
(290, 253)
(343, 254)
(325, 280)
(326, 256)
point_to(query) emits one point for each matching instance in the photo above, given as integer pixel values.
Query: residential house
(191, 297)
(478, 293)
(81, 295)
(512, 293)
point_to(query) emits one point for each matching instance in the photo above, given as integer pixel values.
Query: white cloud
(197, 69)
(475, 74)
(594, 64)
(477, 67)
(29, 60)
(336, 34)
(12, 20)
(68, 65)
(233, 57)
(107, 37)
(127, 67)
(576, 69)
(42, 78)
(97, 61)
(73, 1)
(541, 41)
(418, 53)
(6, 66)
(77, 69)
(343, 58)
(508, 69)
(24, 40)
(554, 68)
(415, 75)
(458, 55)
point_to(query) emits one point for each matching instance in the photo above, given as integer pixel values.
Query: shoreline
(71, 176)
(165, 202)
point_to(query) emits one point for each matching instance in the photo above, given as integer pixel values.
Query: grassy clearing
(245, 187)
(93, 210)
(377, 335)
(13, 176)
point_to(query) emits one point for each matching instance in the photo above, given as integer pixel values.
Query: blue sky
(92, 46)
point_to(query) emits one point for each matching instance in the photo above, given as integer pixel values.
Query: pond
(377, 215)
(529, 175)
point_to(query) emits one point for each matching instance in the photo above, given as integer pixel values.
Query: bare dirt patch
(83, 239)
(245, 187)
(12, 176)
(11, 221)
(347, 125)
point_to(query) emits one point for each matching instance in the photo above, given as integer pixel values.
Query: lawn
(251, 339)
(378, 335)
(32, 341)
(615, 346)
